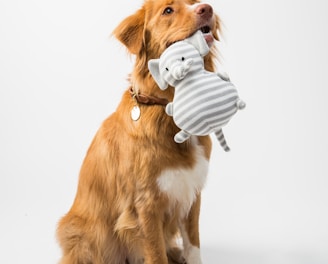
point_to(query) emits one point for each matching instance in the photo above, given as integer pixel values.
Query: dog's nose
(204, 10)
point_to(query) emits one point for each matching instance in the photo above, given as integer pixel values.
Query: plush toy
(203, 101)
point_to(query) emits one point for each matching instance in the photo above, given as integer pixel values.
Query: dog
(139, 192)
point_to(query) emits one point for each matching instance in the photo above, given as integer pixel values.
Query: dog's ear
(153, 66)
(218, 28)
(130, 31)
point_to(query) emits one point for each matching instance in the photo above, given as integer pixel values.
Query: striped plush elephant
(203, 101)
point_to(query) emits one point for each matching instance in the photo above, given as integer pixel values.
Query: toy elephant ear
(153, 66)
(199, 42)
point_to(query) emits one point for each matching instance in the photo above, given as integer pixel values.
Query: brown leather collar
(147, 99)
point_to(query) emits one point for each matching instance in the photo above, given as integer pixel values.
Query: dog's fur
(138, 189)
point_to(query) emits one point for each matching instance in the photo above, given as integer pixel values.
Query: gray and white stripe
(203, 102)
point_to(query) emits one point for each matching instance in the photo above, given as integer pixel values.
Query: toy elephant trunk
(179, 70)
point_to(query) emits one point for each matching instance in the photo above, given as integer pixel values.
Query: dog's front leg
(150, 220)
(190, 234)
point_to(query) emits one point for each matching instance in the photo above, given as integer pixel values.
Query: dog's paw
(175, 256)
(192, 255)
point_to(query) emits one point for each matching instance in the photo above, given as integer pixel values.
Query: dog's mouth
(207, 33)
(205, 29)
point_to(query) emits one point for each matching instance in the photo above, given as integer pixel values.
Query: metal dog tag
(135, 113)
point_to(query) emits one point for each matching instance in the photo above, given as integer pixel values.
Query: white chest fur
(182, 185)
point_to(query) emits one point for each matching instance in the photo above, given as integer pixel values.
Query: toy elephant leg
(169, 109)
(221, 139)
(241, 104)
(181, 136)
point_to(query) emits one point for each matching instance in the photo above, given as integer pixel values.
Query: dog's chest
(181, 185)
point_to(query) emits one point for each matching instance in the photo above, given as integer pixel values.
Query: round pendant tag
(135, 113)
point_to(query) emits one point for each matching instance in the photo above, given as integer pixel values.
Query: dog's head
(159, 23)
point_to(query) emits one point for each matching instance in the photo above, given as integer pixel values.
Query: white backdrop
(61, 75)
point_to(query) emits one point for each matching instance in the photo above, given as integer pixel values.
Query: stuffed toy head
(203, 101)
(178, 60)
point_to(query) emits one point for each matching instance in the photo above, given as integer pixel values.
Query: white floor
(217, 255)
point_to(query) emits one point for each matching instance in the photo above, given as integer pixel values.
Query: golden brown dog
(138, 189)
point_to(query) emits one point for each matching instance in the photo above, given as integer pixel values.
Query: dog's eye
(182, 58)
(167, 69)
(168, 11)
